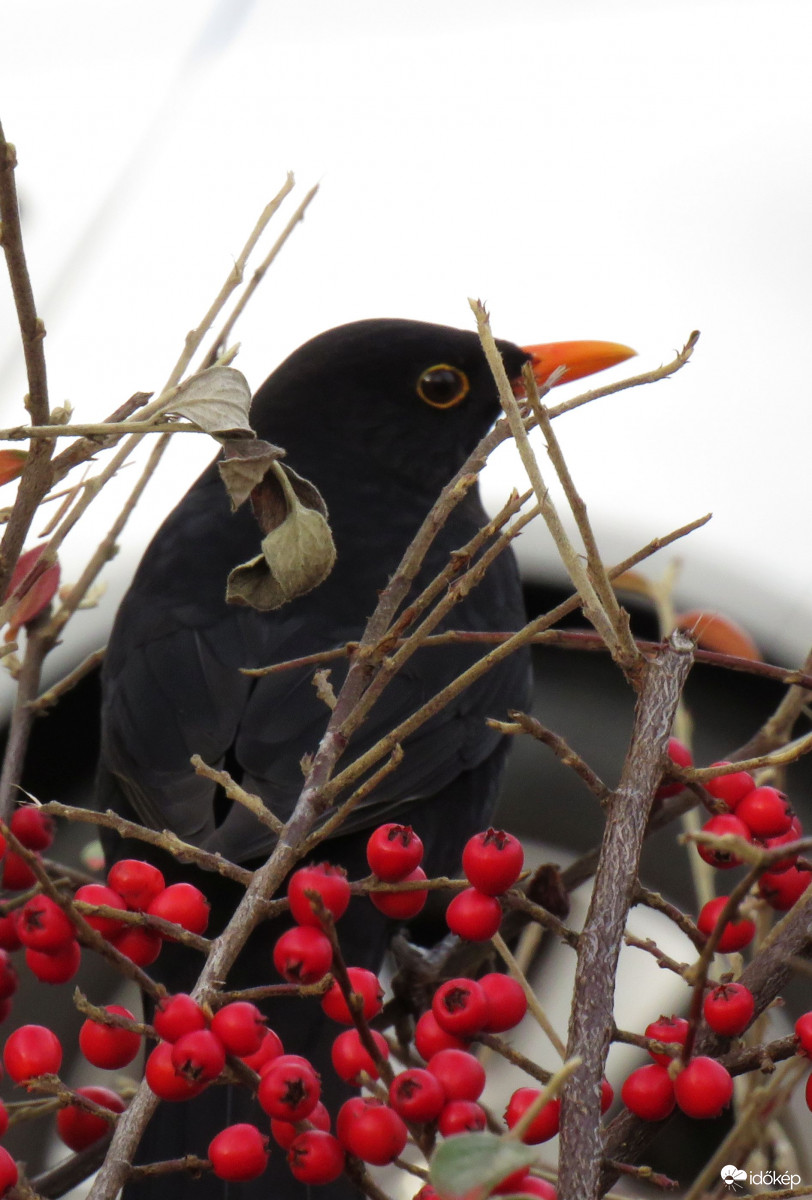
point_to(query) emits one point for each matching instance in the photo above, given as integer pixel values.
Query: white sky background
(623, 170)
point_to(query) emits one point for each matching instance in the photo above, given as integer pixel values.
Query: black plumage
(347, 409)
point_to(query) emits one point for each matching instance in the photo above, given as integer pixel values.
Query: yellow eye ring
(443, 386)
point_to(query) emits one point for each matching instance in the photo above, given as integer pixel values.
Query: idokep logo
(734, 1178)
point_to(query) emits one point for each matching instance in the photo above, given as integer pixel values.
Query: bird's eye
(443, 386)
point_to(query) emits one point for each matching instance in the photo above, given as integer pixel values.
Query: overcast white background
(625, 170)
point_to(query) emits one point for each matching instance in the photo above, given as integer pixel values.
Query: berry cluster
(48, 934)
(761, 816)
(492, 862)
(441, 1097)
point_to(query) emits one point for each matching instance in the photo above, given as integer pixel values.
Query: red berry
(57, 966)
(417, 1095)
(78, 1128)
(96, 893)
(270, 1048)
(765, 811)
(364, 984)
(286, 1060)
(730, 788)
(8, 1171)
(782, 890)
(176, 1015)
(376, 1134)
(393, 852)
(330, 883)
(9, 938)
(736, 934)
(473, 915)
(44, 926)
(729, 1009)
(198, 1056)
(429, 1037)
(238, 1153)
(137, 882)
(803, 1032)
(510, 1184)
(17, 875)
(184, 905)
(531, 1185)
(32, 827)
(109, 1046)
(607, 1095)
(402, 905)
(289, 1091)
(492, 861)
(164, 1080)
(350, 1057)
(138, 943)
(3, 1118)
(543, 1126)
(461, 1076)
(507, 1002)
(460, 1007)
(347, 1114)
(679, 753)
(669, 1030)
(725, 823)
(316, 1157)
(461, 1116)
(703, 1088)
(240, 1027)
(794, 832)
(303, 954)
(808, 1092)
(285, 1132)
(30, 1051)
(649, 1093)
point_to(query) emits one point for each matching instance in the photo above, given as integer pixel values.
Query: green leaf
(469, 1166)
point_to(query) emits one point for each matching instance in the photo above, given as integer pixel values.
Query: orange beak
(578, 359)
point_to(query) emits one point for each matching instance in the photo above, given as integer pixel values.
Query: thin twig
(590, 602)
(234, 792)
(164, 839)
(49, 698)
(259, 274)
(36, 477)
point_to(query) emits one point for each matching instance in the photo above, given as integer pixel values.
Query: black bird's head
(412, 397)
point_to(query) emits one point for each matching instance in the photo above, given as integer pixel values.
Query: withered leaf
(217, 400)
(244, 467)
(297, 551)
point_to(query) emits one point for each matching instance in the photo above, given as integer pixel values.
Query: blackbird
(378, 414)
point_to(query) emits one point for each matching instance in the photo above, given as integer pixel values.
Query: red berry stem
(353, 1001)
(697, 977)
(104, 1017)
(498, 1044)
